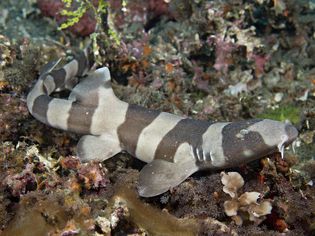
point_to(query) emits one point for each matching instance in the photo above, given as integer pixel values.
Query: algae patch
(283, 113)
(154, 221)
(40, 214)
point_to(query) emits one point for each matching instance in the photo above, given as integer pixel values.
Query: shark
(173, 147)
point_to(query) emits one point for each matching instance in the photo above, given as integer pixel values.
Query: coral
(104, 224)
(81, 21)
(7, 54)
(69, 163)
(20, 184)
(93, 176)
(85, 26)
(246, 203)
(223, 52)
(50, 7)
(232, 181)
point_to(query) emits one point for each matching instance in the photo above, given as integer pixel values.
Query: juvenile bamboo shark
(174, 147)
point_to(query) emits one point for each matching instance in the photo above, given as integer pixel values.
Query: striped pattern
(147, 144)
(175, 147)
(136, 119)
(56, 112)
(185, 131)
(212, 148)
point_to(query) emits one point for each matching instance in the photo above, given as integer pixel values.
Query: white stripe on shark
(147, 144)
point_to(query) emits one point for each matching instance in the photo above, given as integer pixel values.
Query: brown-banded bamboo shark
(174, 147)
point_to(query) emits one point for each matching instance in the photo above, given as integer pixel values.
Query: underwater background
(208, 60)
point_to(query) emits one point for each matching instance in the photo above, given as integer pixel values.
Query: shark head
(252, 139)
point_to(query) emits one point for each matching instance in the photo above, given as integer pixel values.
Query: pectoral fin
(100, 148)
(159, 176)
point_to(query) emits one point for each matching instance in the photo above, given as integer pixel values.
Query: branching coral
(245, 206)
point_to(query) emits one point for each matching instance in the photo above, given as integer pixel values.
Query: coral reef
(214, 60)
(21, 183)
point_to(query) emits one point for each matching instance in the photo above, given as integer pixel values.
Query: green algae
(283, 113)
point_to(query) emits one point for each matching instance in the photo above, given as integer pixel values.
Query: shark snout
(253, 139)
(291, 133)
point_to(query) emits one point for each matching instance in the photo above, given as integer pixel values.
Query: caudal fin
(53, 79)
(75, 113)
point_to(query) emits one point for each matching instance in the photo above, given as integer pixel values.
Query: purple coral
(21, 183)
(93, 176)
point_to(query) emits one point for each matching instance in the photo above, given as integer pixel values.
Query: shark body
(174, 147)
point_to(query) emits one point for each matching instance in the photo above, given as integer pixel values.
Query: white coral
(247, 202)
(231, 207)
(248, 198)
(258, 210)
(232, 181)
